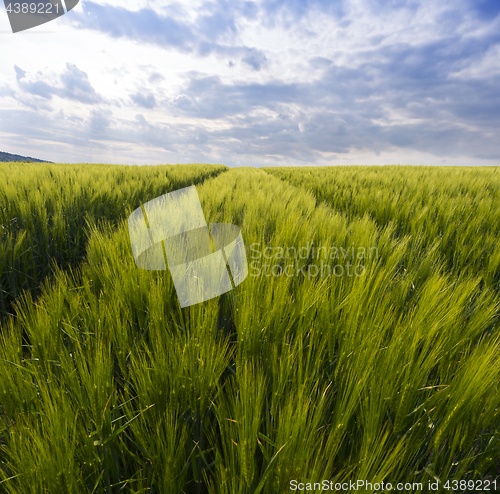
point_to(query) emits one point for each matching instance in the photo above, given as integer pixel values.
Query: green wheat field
(372, 356)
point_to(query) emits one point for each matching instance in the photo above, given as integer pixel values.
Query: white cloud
(255, 83)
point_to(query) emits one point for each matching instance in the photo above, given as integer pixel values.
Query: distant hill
(15, 157)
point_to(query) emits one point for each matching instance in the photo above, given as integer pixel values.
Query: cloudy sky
(256, 83)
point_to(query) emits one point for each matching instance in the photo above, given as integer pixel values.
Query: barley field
(362, 347)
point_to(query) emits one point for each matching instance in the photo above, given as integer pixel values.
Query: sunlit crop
(391, 374)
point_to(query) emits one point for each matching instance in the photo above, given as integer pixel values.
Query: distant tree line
(7, 157)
